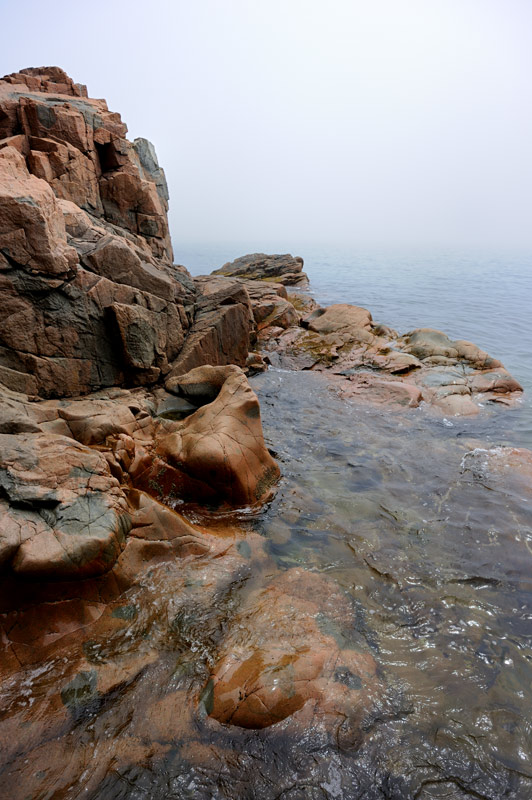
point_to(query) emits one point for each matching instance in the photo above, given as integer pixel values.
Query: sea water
(484, 297)
(432, 551)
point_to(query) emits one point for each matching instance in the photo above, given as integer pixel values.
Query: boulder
(299, 649)
(217, 455)
(285, 269)
(64, 514)
(339, 317)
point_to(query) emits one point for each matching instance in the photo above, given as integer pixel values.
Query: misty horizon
(285, 125)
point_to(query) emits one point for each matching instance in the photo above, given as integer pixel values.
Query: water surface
(485, 297)
(431, 550)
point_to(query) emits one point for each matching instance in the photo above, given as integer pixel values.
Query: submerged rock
(293, 646)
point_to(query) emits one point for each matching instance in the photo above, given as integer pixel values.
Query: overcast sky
(317, 121)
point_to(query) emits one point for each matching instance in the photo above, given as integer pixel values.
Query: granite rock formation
(285, 269)
(92, 300)
(126, 421)
(372, 362)
(90, 295)
(73, 473)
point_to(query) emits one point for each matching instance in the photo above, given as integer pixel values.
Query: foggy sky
(312, 121)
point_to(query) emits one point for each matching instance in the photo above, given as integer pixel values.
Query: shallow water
(432, 552)
(440, 564)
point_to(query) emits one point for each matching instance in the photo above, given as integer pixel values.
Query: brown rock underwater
(179, 615)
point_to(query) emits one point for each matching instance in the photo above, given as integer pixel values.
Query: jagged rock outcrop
(371, 362)
(80, 148)
(269, 301)
(222, 330)
(284, 269)
(91, 300)
(90, 295)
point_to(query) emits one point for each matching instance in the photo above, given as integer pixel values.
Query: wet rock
(427, 343)
(454, 377)
(65, 514)
(258, 266)
(298, 651)
(216, 455)
(255, 363)
(366, 385)
(153, 522)
(498, 381)
(507, 468)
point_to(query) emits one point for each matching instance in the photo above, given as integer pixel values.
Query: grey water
(484, 297)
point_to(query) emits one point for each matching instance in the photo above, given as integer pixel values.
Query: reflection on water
(430, 551)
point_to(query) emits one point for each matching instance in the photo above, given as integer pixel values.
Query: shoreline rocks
(373, 363)
(131, 440)
(68, 468)
(283, 269)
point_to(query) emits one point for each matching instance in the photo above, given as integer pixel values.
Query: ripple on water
(427, 548)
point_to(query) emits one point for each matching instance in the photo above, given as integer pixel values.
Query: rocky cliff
(140, 611)
(91, 300)
(90, 295)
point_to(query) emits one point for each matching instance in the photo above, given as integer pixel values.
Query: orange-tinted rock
(63, 154)
(455, 377)
(79, 146)
(269, 301)
(338, 318)
(298, 651)
(216, 455)
(32, 230)
(221, 332)
(154, 522)
(367, 386)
